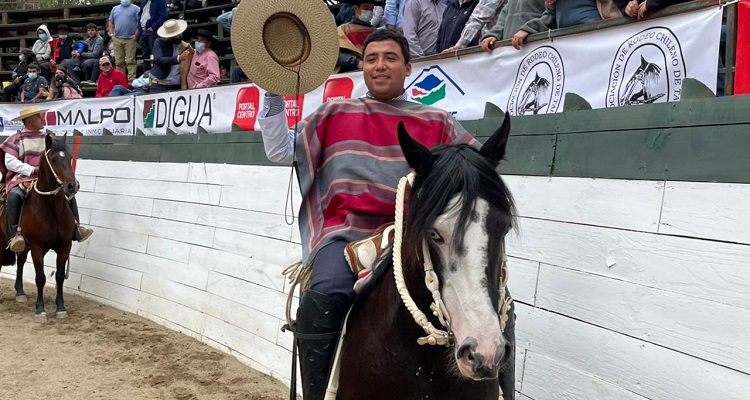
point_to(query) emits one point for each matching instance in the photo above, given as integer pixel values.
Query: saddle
(364, 255)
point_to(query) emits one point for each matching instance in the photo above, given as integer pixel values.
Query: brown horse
(461, 209)
(47, 224)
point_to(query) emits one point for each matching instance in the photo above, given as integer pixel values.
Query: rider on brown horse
(23, 152)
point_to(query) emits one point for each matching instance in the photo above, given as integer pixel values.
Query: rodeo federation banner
(89, 116)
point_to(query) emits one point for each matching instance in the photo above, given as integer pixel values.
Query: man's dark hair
(381, 35)
(91, 25)
(32, 65)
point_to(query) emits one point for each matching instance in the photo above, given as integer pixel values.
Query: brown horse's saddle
(364, 255)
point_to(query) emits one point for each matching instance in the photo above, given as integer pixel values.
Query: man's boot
(318, 314)
(81, 233)
(15, 203)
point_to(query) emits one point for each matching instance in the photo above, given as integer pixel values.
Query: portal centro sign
(188, 110)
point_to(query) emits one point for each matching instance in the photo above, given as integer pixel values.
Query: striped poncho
(25, 146)
(350, 162)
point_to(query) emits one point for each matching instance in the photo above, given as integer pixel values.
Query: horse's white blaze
(468, 302)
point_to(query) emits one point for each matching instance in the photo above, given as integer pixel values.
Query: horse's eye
(435, 237)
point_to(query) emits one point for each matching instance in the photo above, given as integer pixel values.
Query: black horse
(460, 207)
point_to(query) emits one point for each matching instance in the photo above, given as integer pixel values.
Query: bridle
(434, 335)
(60, 183)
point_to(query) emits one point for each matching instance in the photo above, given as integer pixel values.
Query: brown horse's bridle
(57, 178)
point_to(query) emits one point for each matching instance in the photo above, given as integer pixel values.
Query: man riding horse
(23, 152)
(346, 155)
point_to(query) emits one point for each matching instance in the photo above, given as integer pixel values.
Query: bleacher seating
(18, 28)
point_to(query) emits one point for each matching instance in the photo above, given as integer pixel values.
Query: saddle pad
(363, 255)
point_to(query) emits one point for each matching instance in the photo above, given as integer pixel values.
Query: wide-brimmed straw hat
(272, 40)
(28, 112)
(172, 28)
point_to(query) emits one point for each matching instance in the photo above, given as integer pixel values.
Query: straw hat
(28, 112)
(273, 39)
(172, 28)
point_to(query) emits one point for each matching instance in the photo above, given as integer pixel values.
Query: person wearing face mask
(172, 58)
(18, 75)
(35, 87)
(62, 47)
(204, 68)
(353, 34)
(122, 26)
(42, 49)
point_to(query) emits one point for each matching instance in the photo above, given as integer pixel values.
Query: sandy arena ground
(100, 352)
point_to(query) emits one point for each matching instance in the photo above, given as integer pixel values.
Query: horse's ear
(48, 141)
(65, 137)
(418, 156)
(494, 148)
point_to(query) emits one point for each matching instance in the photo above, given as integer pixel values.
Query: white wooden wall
(624, 289)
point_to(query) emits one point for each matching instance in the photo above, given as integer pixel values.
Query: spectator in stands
(11, 91)
(485, 16)
(421, 24)
(153, 15)
(109, 78)
(378, 17)
(87, 59)
(456, 16)
(352, 35)
(394, 14)
(62, 87)
(345, 14)
(225, 19)
(75, 63)
(140, 86)
(518, 19)
(35, 87)
(42, 48)
(123, 27)
(204, 68)
(173, 5)
(62, 47)
(638, 9)
(169, 52)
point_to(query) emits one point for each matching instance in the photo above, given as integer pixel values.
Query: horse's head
(462, 209)
(56, 166)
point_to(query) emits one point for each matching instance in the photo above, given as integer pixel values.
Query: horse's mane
(457, 170)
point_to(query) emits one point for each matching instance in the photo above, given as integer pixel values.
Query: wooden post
(731, 51)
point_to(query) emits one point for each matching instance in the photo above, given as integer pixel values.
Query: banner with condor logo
(91, 117)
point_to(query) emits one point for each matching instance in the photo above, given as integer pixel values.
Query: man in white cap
(23, 152)
(171, 56)
(348, 188)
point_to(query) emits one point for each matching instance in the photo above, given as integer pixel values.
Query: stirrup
(83, 233)
(17, 244)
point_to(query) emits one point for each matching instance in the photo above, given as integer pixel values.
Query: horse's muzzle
(475, 365)
(71, 188)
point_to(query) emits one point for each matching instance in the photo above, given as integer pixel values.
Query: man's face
(105, 67)
(201, 39)
(91, 32)
(32, 71)
(62, 32)
(34, 123)
(385, 70)
(363, 6)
